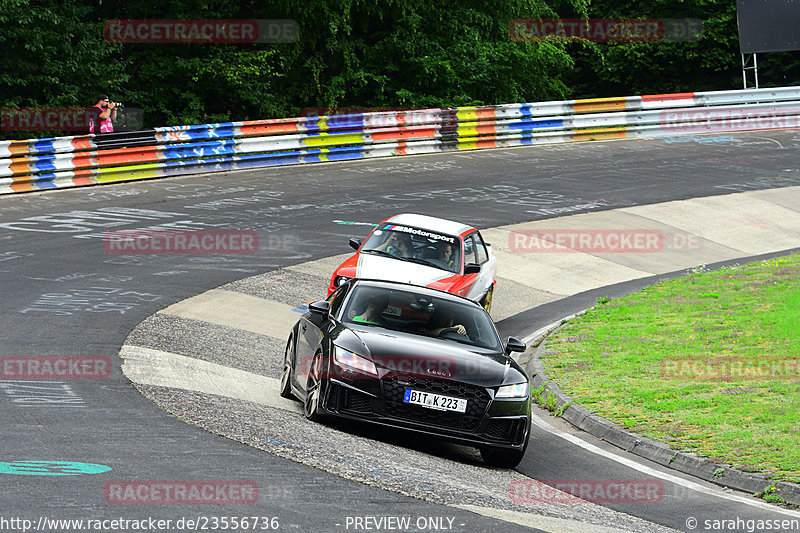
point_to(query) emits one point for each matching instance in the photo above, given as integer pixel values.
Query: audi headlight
(351, 361)
(520, 390)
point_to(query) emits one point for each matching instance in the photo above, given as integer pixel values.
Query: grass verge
(708, 363)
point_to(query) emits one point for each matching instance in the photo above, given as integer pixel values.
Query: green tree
(54, 55)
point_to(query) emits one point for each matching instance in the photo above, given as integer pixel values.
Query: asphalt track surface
(63, 294)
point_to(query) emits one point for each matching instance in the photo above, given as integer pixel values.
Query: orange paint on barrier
(404, 133)
(670, 96)
(600, 134)
(83, 180)
(82, 143)
(485, 113)
(83, 160)
(127, 155)
(26, 178)
(21, 166)
(18, 148)
(269, 129)
(485, 144)
(488, 129)
(592, 105)
(22, 187)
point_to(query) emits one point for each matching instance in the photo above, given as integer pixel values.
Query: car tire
(486, 301)
(286, 375)
(502, 458)
(311, 405)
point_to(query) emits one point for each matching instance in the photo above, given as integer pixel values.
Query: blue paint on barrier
(44, 163)
(41, 146)
(529, 124)
(354, 121)
(44, 184)
(345, 155)
(312, 124)
(197, 150)
(212, 133)
(525, 110)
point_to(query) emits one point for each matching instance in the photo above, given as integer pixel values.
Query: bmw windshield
(415, 245)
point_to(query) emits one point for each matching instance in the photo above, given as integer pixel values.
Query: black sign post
(766, 26)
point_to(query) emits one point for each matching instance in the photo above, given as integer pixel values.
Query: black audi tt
(413, 358)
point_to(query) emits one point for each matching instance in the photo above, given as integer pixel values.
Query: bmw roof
(439, 225)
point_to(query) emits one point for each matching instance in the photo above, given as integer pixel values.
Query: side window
(337, 298)
(469, 250)
(480, 249)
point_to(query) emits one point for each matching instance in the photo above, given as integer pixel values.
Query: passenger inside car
(373, 310)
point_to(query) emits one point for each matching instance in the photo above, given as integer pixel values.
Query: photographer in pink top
(102, 115)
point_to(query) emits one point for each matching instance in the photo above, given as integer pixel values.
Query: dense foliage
(358, 54)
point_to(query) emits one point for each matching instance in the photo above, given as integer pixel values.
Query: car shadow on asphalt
(408, 439)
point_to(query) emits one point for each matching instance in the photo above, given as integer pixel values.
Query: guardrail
(59, 162)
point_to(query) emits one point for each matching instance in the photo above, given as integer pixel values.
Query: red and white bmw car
(428, 251)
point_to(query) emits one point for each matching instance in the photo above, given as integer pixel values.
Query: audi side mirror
(472, 268)
(355, 244)
(513, 344)
(320, 308)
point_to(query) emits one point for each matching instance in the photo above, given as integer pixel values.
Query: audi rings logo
(440, 373)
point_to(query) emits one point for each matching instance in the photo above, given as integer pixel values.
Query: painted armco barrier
(38, 164)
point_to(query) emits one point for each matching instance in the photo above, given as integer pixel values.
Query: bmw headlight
(520, 390)
(340, 280)
(351, 361)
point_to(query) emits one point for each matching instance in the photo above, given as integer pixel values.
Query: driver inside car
(441, 320)
(397, 244)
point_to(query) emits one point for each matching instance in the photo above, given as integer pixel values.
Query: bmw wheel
(487, 299)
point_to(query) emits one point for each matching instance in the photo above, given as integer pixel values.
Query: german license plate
(435, 401)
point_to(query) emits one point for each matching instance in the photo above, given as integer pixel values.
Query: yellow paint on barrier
(333, 139)
(133, 172)
(467, 113)
(468, 131)
(101, 170)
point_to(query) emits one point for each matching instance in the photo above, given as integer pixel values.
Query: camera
(119, 105)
